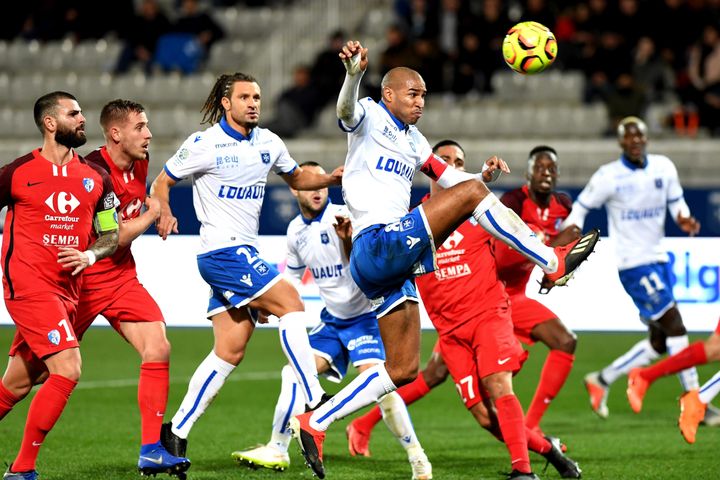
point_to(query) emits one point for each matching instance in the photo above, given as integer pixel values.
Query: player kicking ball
(319, 240)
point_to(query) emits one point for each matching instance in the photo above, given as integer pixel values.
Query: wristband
(91, 257)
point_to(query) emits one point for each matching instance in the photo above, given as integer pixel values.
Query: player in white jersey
(391, 245)
(319, 240)
(637, 190)
(228, 164)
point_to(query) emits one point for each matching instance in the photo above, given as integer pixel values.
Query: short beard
(70, 138)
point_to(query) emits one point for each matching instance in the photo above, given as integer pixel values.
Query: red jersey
(129, 186)
(49, 206)
(514, 269)
(465, 282)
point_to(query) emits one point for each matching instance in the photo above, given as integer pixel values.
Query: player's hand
(71, 258)
(152, 206)
(354, 57)
(263, 317)
(493, 167)
(567, 235)
(689, 225)
(336, 175)
(343, 227)
(166, 223)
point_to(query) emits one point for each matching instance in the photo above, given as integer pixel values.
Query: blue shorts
(650, 287)
(236, 276)
(385, 257)
(355, 340)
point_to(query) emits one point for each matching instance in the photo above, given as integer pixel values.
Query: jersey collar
(318, 217)
(234, 133)
(401, 126)
(631, 165)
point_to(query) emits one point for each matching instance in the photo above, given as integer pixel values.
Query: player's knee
(567, 343)
(403, 375)
(158, 351)
(658, 344)
(712, 348)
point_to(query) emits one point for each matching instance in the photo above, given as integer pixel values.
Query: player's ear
(50, 123)
(225, 101)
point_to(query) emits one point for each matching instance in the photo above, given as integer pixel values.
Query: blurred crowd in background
(631, 52)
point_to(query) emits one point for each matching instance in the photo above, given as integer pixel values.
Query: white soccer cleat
(421, 467)
(263, 456)
(712, 416)
(598, 394)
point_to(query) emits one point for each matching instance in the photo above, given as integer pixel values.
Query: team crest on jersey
(658, 183)
(261, 268)
(412, 145)
(324, 238)
(89, 184)
(183, 154)
(265, 156)
(54, 337)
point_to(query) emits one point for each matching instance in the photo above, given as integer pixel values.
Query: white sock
(365, 389)
(504, 224)
(204, 385)
(296, 345)
(688, 377)
(710, 389)
(641, 354)
(290, 403)
(396, 417)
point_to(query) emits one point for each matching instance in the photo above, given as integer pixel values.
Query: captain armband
(106, 221)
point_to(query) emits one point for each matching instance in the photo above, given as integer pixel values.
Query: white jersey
(229, 172)
(636, 200)
(383, 156)
(315, 245)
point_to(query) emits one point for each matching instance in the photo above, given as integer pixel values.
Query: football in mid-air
(529, 47)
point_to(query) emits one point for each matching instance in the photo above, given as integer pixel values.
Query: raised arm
(133, 228)
(354, 57)
(166, 223)
(301, 179)
(438, 171)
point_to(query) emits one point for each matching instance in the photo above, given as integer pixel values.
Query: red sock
(689, 357)
(410, 393)
(536, 442)
(510, 418)
(45, 409)
(7, 401)
(554, 373)
(152, 399)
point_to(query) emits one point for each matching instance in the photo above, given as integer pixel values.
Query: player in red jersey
(111, 287)
(55, 201)
(543, 209)
(693, 403)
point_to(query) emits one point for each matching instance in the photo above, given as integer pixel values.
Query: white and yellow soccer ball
(529, 47)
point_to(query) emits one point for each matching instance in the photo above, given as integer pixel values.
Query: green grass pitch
(97, 437)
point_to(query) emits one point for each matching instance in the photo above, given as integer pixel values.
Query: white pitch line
(132, 382)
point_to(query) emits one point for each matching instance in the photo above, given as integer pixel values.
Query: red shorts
(526, 313)
(128, 303)
(43, 325)
(478, 348)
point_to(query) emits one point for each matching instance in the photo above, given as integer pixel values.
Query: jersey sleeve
(596, 192)
(192, 157)
(424, 148)
(284, 164)
(295, 266)
(675, 190)
(362, 125)
(106, 218)
(513, 200)
(6, 174)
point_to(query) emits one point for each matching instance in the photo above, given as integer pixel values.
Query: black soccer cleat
(518, 475)
(173, 444)
(323, 400)
(570, 256)
(565, 466)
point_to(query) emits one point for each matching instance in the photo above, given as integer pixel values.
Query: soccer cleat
(311, 442)
(517, 475)
(637, 387)
(570, 256)
(421, 466)
(692, 411)
(173, 444)
(551, 439)
(9, 475)
(358, 440)
(712, 416)
(323, 400)
(263, 456)
(565, 466)
(155, 459)
(598, 394)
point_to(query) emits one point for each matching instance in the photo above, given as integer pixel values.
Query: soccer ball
(529, 47)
